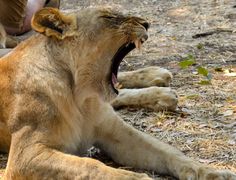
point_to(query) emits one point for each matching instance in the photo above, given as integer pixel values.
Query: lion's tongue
(114, 79)
(116, 84)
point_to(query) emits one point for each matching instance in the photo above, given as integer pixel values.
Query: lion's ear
(51, 22)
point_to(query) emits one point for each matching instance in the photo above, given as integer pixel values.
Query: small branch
(211, 32)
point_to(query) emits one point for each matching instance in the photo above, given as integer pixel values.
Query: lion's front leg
(33, 159)
(128, 146)
(155, 98)
(145, 77)
(145, 92)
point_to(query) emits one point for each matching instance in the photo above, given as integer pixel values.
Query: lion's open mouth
(116, 60)
(118, 57)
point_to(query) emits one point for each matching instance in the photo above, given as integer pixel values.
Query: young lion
(55, 93)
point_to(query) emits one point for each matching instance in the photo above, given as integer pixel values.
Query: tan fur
(54, 104)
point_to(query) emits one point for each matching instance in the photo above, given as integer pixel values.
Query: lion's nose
(146, 25)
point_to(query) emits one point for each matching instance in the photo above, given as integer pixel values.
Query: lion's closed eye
(107, 16)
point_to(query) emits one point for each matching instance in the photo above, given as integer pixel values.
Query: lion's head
(96, 40)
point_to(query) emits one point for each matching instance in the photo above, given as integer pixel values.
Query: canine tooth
(118, 85)
(138, 44)
(143, 40)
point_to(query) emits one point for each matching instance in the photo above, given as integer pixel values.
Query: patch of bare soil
(204, 126)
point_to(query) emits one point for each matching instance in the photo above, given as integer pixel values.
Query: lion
(56, 88)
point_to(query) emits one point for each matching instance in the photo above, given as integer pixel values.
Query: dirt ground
(204, 125)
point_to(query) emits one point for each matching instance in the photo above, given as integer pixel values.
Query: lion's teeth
(143, 40)
(138, 44)
(118, 85)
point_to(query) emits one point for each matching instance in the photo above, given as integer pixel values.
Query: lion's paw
(164, 98)
(155, 98)
(145, 77)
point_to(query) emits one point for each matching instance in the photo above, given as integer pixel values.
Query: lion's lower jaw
(107, 93)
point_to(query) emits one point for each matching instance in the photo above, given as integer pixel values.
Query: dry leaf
(228, 113)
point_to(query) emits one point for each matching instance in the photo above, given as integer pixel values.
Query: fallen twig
(214, 31)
